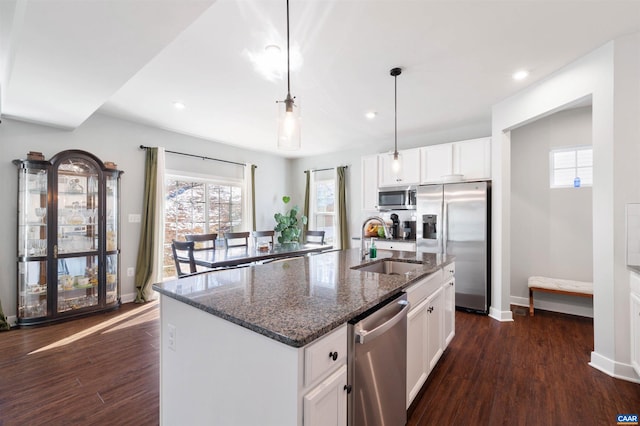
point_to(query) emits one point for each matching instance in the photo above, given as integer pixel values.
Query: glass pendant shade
(395, 164)
(288, 125)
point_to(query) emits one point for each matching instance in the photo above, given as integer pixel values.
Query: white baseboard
(128, 298)
(614, 369)
(502, 316)
(553, 306)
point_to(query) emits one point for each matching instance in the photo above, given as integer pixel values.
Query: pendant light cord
(395, 79)
(288, 70)
(395, 72)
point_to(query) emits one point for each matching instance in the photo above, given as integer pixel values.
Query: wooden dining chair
(183, 253)
(236, 239)
(205, 241)
(258, 235)
(314, 237)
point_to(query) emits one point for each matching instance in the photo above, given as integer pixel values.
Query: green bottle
(373, 250)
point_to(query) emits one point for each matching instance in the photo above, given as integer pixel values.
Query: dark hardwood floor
(103, 370)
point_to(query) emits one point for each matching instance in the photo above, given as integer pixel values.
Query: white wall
(116, 140)
(551, 229)
(610, 75)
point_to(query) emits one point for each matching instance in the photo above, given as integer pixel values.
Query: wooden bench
(558, 286)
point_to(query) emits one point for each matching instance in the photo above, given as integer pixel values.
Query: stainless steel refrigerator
(455, 218)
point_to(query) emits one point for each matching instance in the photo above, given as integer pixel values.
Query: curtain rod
(198, 156)
(322, 170)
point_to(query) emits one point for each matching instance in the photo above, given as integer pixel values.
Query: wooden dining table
(234, 256)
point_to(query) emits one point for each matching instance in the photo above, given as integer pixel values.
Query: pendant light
(395, 165)
(288, 112)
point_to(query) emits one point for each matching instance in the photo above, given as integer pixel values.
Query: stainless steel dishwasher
(377, 365)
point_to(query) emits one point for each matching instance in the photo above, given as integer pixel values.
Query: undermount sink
(389, 267)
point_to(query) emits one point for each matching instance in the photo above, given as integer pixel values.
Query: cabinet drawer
(424, 288)
(319, 356)
(449, 271)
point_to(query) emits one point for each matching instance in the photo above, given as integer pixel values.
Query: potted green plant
(288, 224)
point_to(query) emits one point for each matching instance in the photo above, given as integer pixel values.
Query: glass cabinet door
(32, 242)
(32, 213)
(77, 282)
(77, 206)
(112, 213)
(77, 234)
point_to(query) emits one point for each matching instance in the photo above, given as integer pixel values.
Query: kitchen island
(247, 345)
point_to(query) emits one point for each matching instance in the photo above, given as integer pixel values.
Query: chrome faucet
(387, 233)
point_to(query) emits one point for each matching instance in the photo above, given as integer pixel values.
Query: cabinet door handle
(430, 309)
(347, 388)
(333, 355)
(452, 272)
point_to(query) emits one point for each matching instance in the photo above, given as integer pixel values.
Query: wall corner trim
(614, 369)
(502, 316)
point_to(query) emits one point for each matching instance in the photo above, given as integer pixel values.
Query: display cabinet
(68, 237)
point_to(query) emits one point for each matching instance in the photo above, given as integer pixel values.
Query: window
(199, 206)
(323, 205)
(571, 167)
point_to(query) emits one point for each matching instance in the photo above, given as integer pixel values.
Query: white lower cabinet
(325, 380)
(326, 404)
(449, 307)
(430, 326)
(434, 319)
(635, 332)
(634, 312)
(449, 303)
(417, 368)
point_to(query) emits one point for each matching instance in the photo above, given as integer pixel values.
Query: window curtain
(150, 247)
(4, 325)
(342, 233)
(250, 197)
(307, 196)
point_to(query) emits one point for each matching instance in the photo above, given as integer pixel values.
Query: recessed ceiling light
(520, 75)
(179, 105)
(371, 115)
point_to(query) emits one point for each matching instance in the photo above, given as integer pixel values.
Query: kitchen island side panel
(218, 373)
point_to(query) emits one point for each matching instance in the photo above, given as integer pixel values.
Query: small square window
(571, 167)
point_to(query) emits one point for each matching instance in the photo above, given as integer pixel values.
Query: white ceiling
(63, 60)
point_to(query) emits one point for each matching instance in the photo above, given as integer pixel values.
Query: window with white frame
(571, 167)
(196, 205)
(323, 204)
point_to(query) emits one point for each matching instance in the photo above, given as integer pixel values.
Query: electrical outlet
(135, 218)
(131, 271)
(171, 337)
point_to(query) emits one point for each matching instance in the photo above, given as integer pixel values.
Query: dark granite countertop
(298, 300)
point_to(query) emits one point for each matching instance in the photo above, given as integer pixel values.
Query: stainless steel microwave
(402, 198)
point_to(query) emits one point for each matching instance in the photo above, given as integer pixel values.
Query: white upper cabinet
(472, 159)
(409, 173)
(437, 161)
(369, 182)
(464, 160)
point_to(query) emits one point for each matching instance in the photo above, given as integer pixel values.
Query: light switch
(135, 218)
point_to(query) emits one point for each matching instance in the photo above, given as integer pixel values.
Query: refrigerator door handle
(445, 226)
